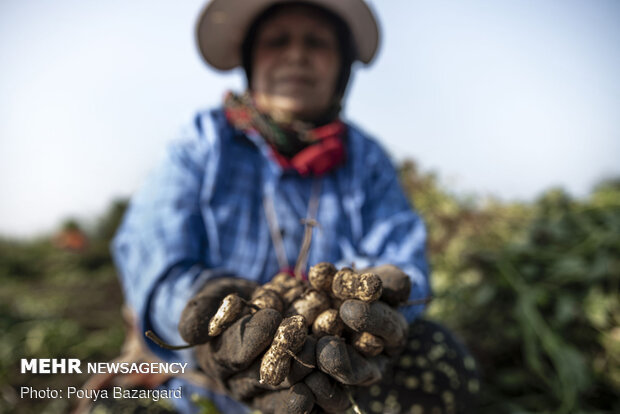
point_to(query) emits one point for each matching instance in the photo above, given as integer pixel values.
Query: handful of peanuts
(293, 345)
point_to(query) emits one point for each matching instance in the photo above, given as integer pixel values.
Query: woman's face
(295, 65)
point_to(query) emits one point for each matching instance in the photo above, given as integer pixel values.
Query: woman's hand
(194, 324)
(323, 364)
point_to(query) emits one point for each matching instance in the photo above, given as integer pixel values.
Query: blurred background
(503, 120)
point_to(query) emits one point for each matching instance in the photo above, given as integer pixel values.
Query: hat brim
(222, 26)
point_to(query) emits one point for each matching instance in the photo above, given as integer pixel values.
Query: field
(532, 289)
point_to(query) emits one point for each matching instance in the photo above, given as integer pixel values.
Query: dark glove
(291, 396)
(222, 354)
(345, 364)
(317, 392)
(232, 358)
(378, 324)
(396, 284)
(195, 318)
(297, 399)
(238, 346)
(246, 386)
(377, 319)
(377, 327)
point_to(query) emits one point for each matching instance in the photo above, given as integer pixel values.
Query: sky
(502, 98)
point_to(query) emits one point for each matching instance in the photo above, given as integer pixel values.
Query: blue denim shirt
(202, 214)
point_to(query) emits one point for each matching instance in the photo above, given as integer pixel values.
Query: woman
(230, 196)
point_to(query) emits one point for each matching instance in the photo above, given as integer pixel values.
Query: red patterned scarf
(299, 146)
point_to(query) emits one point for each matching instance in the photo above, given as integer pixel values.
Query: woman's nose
(296, 51)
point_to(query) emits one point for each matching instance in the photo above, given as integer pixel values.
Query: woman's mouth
(295, 80)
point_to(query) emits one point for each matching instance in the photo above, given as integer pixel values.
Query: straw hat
(223, 24)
